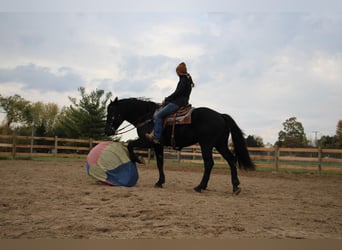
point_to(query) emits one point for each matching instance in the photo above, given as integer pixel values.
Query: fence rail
(307, 159)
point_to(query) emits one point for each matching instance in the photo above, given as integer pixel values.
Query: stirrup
(151, 138)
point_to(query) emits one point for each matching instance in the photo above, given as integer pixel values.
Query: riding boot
(150, 136)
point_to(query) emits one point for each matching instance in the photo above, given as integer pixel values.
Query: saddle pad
(182, 117)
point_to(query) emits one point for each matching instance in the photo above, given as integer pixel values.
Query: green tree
(292, 135)
(27, 116)
(84, 118)
(339, 134)
(42, 117)
(15, 108)
(327, 141)
(254, 141)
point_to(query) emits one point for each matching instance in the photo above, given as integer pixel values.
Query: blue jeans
(158, 118)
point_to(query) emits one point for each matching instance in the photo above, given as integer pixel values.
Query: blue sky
(261, 66)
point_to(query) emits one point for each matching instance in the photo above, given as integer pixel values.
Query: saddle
(181, 116)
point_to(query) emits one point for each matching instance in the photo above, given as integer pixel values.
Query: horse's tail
(239, 142)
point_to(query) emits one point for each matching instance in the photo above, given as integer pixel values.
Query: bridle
(139, 124)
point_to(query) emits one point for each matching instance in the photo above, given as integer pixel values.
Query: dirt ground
(44, 200)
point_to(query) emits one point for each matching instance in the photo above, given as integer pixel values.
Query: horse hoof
(158, 185)
(236, 191)
(198, 189)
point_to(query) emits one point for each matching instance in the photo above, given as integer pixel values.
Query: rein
(140, 124)
(123, 132)
(130, 129)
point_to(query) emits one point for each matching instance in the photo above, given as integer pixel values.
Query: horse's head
(114, 117)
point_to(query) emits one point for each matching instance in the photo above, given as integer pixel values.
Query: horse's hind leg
(229, 157)
(207, 155)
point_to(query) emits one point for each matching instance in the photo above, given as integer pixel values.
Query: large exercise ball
(108, 162)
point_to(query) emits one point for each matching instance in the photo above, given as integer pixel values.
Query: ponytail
(189, 77)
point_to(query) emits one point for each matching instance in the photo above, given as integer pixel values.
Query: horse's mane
(142, 99)
(140, 103)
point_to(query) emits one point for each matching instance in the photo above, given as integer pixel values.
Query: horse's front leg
(208, 165)
(133, 144)
(159, 150)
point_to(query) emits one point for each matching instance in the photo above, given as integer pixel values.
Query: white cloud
(41, 78)
(260, 67)
(327, 68)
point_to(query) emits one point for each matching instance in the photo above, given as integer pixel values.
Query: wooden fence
(302, 159)
(16, 146)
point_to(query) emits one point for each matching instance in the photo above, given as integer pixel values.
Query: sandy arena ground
(44, 200)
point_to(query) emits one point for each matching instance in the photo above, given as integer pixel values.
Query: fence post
(31, 146)
(90, 143)
(276, 158)
(56, 146)
(149, 156)
(14, 145)
(319, 160)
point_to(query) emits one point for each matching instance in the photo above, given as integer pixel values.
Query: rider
(179, 98)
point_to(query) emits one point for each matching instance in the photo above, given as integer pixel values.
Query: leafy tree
(29, 116)
(85, 118)
(254, 141)
(15, 108)
(42, 117)
(339, 134)
(292, 135)
(327, 141)
(335, 141)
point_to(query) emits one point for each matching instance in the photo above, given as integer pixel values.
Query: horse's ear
(116, 99)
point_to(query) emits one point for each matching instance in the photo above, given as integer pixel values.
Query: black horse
(208, 128)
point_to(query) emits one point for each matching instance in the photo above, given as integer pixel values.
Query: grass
(44, 158)
(172, 162)
(270, 169)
